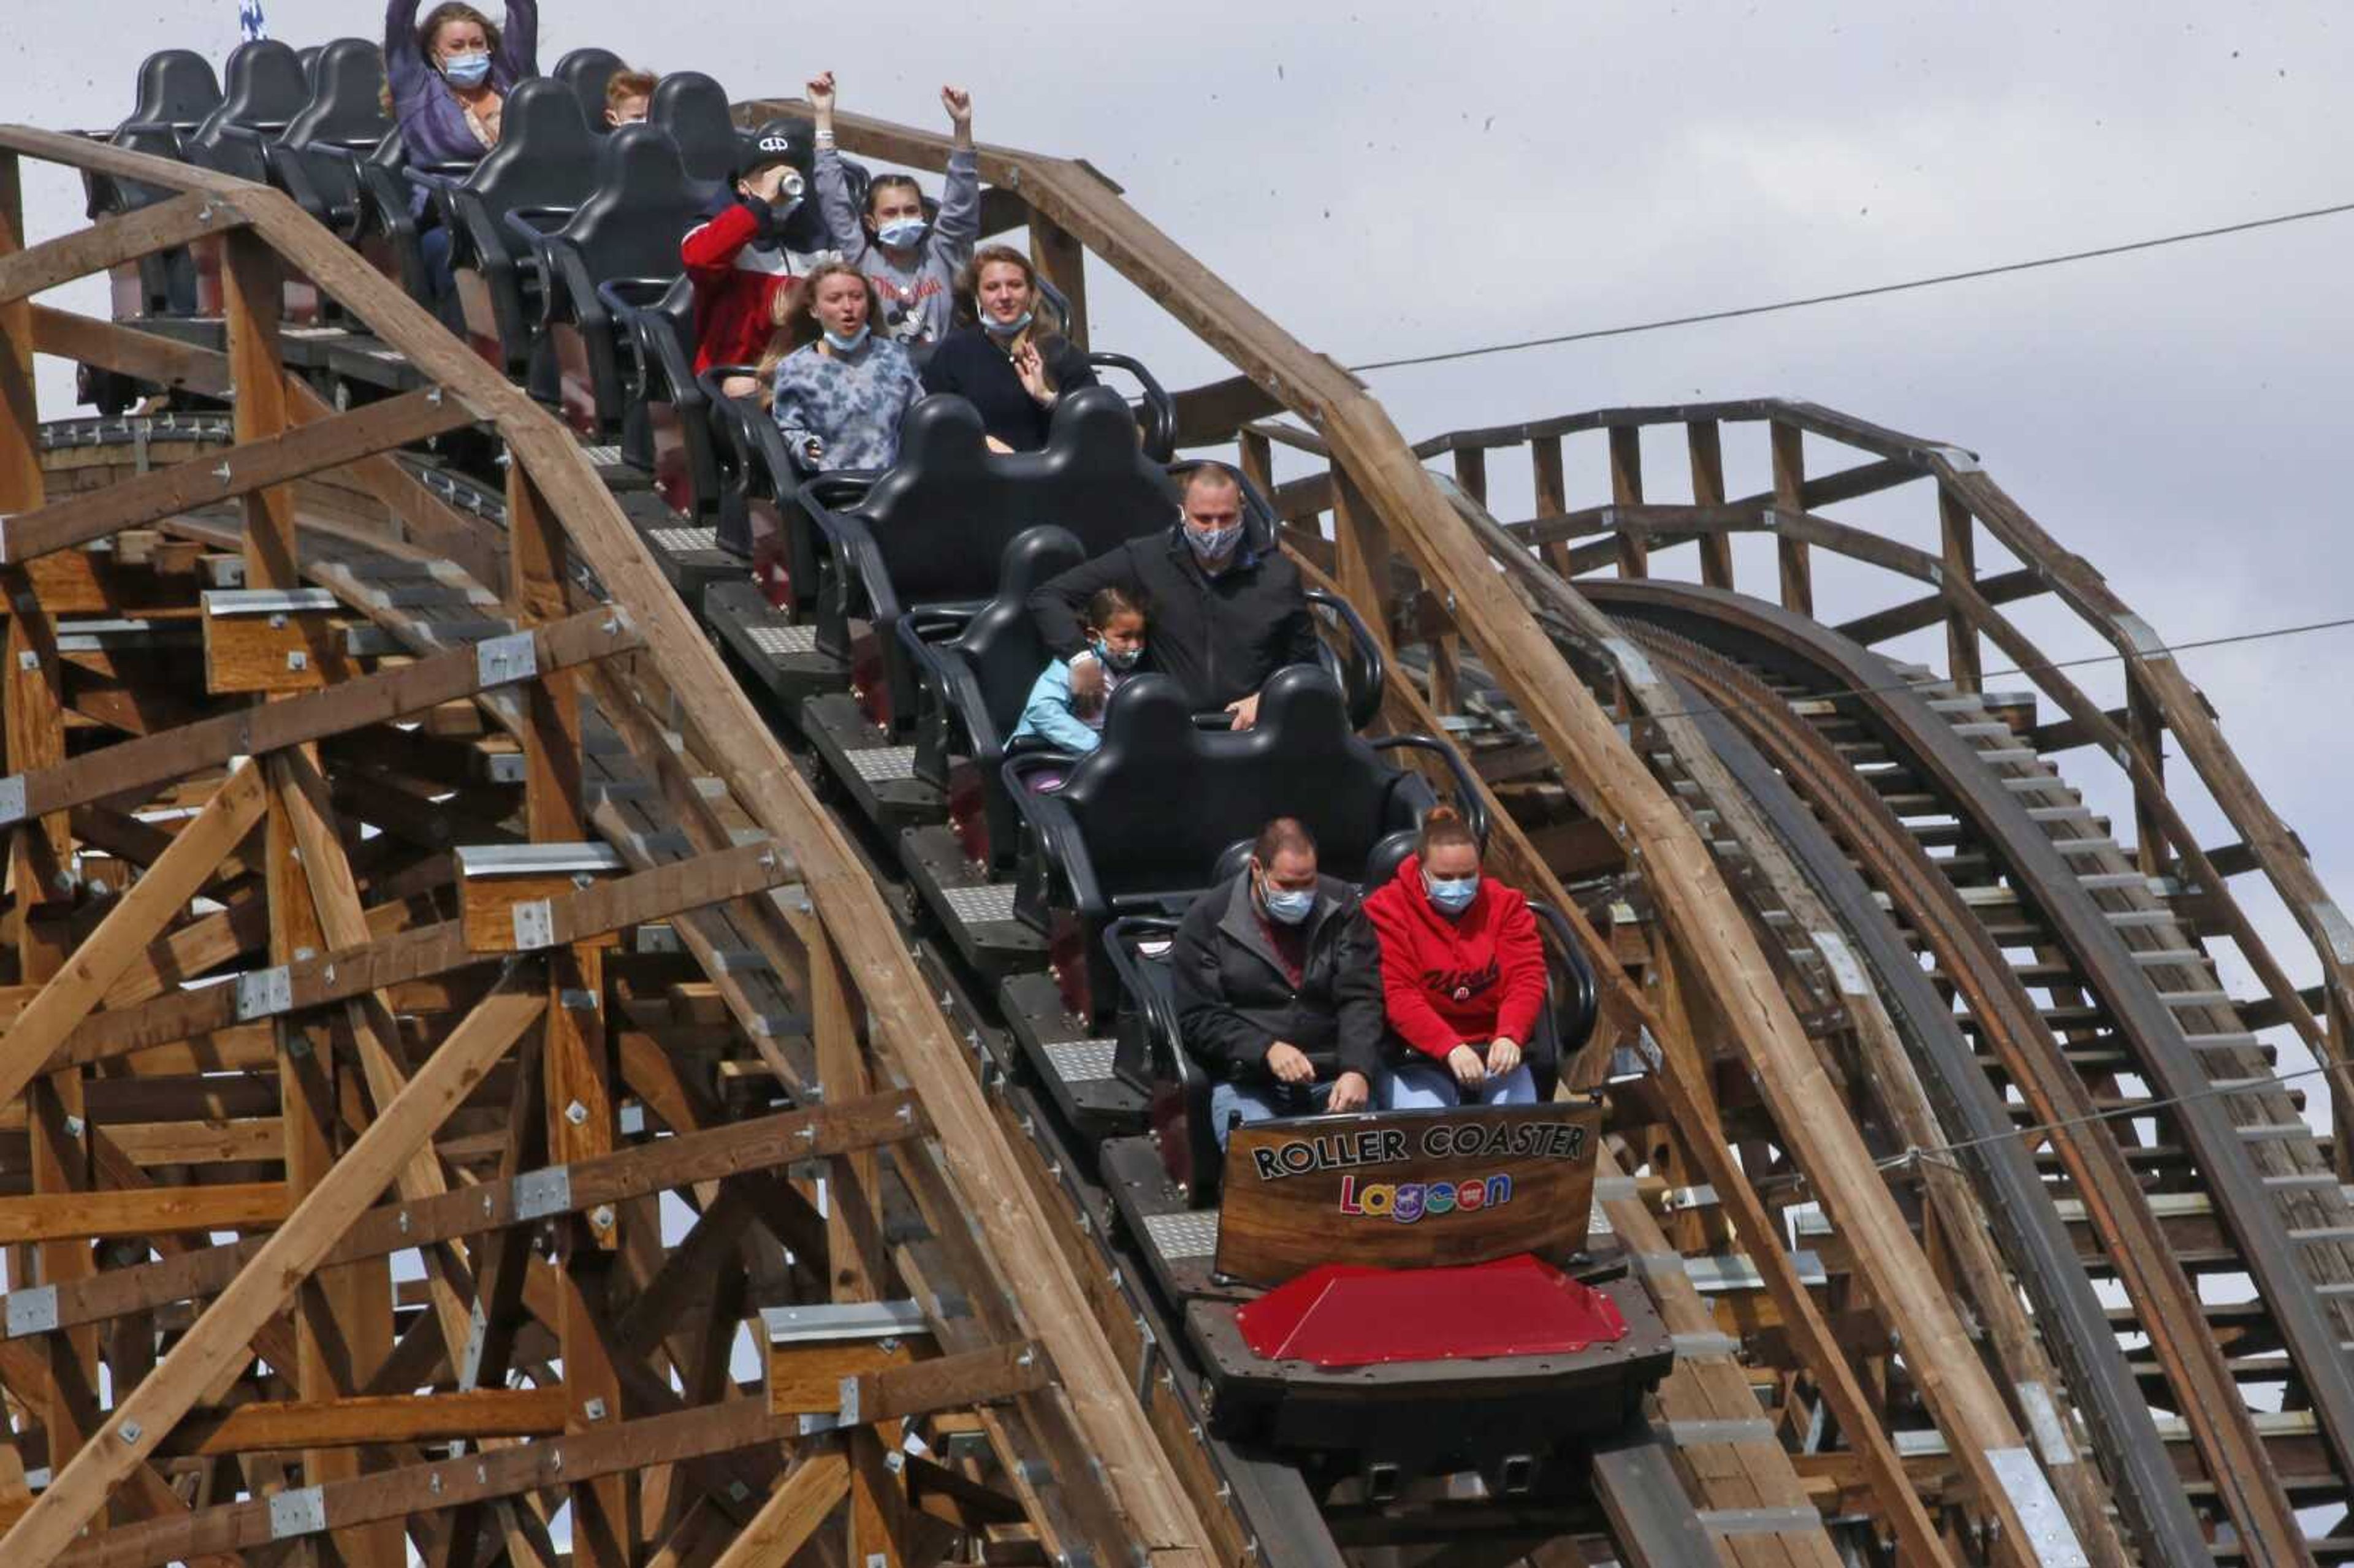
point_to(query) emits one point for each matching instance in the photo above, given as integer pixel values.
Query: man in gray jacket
(914, 263)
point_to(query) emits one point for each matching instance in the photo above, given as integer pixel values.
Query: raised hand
(820, 94)
(958, 103)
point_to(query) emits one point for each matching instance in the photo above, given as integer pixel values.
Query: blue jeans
(1427, 1086)
(1231, 1103)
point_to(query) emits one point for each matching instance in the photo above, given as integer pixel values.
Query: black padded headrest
(176, 87)
(310, 55)
(694, 108)
(1000, 642)
(945, 514)
(1160, 802)
(346, 96)
(545, 155)
(631, 225)
(263, 87)
(585, 72)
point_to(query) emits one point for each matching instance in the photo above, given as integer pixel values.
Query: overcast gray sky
(1392, 179)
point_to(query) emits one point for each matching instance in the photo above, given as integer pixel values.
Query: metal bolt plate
(264, 994)
(539, 1193)
(303, 1511)
(12, 798)
(32, 1311)
(534, 924)
(501, 660)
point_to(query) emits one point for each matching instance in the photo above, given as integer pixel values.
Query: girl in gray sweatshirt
(914, 263)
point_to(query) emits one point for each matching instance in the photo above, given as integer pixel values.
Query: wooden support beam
(74, 1216)
(1957, 534)
(379, 698)
(369, 1419)
(257, 464)
(140, 1420)
(142, 355)
(113, 240)
(1789, 493)
(792, 1514)
(951, 1383)
(1705, 443)
(60, 1005)
(430, 950)
(1062, 261)
(507, 1472)
(1626, 489)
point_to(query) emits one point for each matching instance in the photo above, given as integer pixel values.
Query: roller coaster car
(926, 539)
(1415, 1255)
(1165, 808)
(975, 676)
(544, 168)
(627, 231)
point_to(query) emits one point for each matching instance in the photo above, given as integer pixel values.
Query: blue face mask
(841, 345)
(1114, 658)
(1451, 895)
(1285, 906)
(466, 70)
(996, 328)
(902, 233)
(1213, 544)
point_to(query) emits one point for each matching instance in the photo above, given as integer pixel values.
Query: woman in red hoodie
(1463, 975)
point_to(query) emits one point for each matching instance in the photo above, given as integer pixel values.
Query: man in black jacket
(1279, 988)
(1225, 613)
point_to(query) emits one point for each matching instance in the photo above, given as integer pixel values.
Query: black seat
(931, 533)
(177, 91)
(666, 420)
(316, 161)
(543, 168)
(627, 231)
(694, 108)
(263, 89)
(586, 71)
(976, 675)
(1149, 819)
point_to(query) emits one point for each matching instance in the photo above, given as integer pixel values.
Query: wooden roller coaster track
(254, 1051)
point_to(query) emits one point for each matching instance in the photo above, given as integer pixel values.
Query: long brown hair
(967, 290)
(453, 11)
(796, 322)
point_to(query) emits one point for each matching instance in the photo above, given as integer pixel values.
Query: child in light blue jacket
(1065, 707)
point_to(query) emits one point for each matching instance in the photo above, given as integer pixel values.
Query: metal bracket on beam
(1761, 1521)
(539, 1193)
(264, 994)
(1691, 1433)
(848, 1414)
(12, 799)
(500, 661)
(32, 1311)
(845, 1321)
(302, 1511)
(267, 601)
(1703, 1343)
(534, 924)
(2051, 1539)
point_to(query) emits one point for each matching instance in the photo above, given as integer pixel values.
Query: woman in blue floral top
(839, 395)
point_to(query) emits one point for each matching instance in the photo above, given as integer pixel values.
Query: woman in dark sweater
(1005, 360)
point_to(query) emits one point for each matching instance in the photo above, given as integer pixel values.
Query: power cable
(1707, 710)
(1738, 311)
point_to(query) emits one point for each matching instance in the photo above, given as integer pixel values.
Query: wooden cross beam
(242, 470)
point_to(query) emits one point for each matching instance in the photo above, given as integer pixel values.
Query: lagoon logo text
(1407, 1201)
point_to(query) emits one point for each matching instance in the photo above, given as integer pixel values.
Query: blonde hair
(793, 315)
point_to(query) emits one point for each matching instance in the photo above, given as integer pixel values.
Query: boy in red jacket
(738, 261)
(1463, 975)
